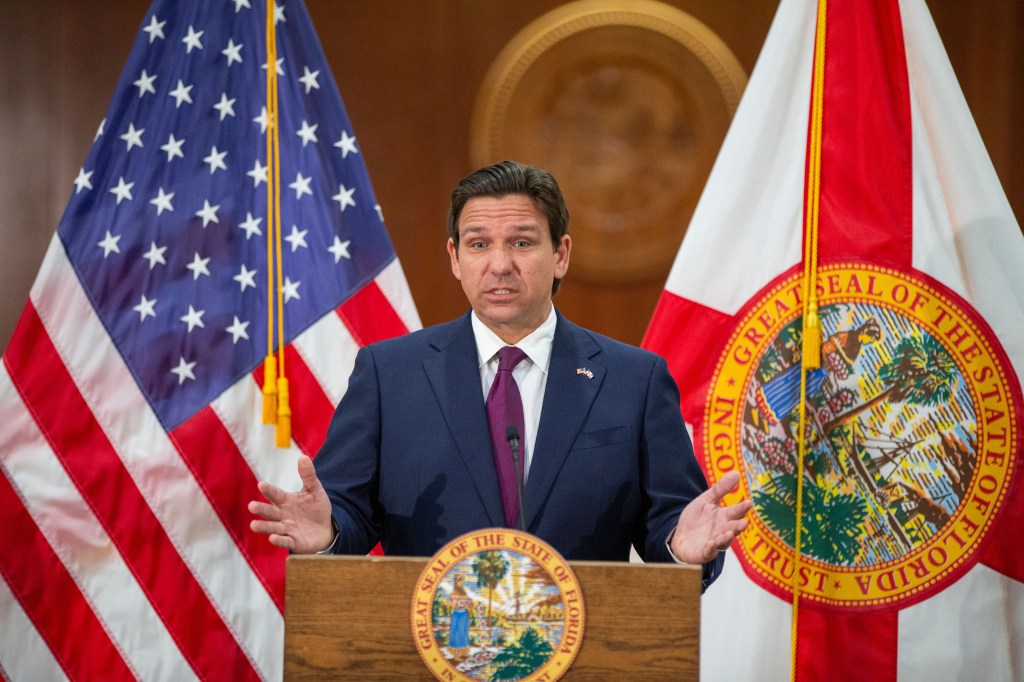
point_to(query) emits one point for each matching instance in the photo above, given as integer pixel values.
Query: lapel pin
(586, 372)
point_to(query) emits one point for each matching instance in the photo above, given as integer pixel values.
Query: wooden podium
(349, 618)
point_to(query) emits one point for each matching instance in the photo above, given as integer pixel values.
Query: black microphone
(512, 436)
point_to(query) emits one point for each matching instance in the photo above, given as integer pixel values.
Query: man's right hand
(300, 522)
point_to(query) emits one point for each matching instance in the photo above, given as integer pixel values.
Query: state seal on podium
(497, 604)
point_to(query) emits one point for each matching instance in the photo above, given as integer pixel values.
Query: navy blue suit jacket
(407, 459)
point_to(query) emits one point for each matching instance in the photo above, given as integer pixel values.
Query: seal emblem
(912, 427)
(497, 604)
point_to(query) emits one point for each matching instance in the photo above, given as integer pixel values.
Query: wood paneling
(409, 73)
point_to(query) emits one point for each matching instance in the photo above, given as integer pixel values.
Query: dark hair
(511, 178)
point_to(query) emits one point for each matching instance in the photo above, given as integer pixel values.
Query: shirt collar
(536, 344)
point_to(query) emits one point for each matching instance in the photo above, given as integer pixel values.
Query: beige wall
(409, 72)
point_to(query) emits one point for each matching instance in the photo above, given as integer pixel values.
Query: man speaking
(437, 426)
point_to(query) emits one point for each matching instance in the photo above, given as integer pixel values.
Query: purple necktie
(505, 409)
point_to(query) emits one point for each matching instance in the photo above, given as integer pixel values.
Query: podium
(349, 618)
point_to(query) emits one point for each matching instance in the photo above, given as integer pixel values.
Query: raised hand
(300, 522)
(705, 527)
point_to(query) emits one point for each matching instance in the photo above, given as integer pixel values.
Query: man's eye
(522, 244)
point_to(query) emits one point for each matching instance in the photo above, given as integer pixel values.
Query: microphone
(512, 436)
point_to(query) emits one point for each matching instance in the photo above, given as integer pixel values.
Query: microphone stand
(512, 436)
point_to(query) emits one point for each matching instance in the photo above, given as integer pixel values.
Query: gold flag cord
(276, 409)
(810, 355)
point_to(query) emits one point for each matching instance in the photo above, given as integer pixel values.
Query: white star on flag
(346, 144)
(250, 225)
(184, 371)
(82, 181)
(162, 201)
(155, 255)
(109, 244)
(237, 330)
(344, 197)
(155, 29)
(232, 52)
(181, 93)
(133, 137)
(215, 160)
(262, 120)
(258, 173)
(145, 308)
(301, 185)
(208, 213)
(246, 278)
(309, 79)
(123, 190)
(339, 249)
(192, 40)
(194, 318)
(290, 289)
(225, 106)
(173, 148)
(297, 238)
(307, 132)
(198, 267)
(145, 83)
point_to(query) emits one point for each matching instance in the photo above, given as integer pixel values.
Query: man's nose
(502, 261)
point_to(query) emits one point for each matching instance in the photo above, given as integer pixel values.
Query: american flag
(130, 396)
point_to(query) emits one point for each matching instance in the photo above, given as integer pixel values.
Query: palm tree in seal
(490, 568)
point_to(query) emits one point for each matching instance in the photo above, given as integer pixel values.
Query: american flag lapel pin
(584, 371)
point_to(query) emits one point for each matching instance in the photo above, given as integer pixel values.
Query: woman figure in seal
(458, 630)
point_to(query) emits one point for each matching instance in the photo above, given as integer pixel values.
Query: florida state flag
(854, 195)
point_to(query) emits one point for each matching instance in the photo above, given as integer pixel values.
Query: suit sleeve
(347, 464)
(671, 476)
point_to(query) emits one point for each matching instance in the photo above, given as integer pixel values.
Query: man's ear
(454, 255)
(562, 257)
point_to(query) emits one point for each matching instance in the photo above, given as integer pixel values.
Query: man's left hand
(705, 527)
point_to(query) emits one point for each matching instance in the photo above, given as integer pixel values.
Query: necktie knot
(509, 357)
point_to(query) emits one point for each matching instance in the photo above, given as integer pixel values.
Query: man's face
(507, 263)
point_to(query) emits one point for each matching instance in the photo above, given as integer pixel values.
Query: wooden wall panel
(409, 73)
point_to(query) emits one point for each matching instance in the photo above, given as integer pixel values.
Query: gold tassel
(270, 389)
(811, 351)
(284, 415)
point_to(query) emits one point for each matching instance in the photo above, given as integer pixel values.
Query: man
(417, 452)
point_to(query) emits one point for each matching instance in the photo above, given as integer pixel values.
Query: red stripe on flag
(50, 597)
(847, 645)
(80, 443)
(866, 161)
(690, 337)
(369, 316)
(1003, 552)
(311, 408)
(213, 456)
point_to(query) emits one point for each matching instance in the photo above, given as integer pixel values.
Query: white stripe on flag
(737, 615)
(968, 631)
(395, 287)
(764, 153)
(239, 409)
(24, 654)
(154, 464)
(329, 351)
(974, 247)
(83, 546)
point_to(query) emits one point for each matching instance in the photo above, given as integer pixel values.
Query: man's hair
(512, 178)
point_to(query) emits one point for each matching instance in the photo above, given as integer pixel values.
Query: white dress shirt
(531, 374)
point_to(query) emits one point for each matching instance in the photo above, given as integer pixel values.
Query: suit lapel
(567, 400)
(454, 375)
